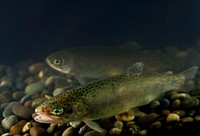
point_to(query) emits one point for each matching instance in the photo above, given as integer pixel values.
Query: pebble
(115, 131)
(18, 95)
(176, 103)
(187, 120)
(154, 104)
(21, 111)
(156, 125)
(19, 83)
(50, 81)
(95, 133)
(58, 91)
(126, 116)
(147, 119)
(35, 68)
(181, 113)
(25, 98)
(197, 118)
(179, 96)
(37, 131)
(189, 102)
(69, 132)
(17, 128)
(36, 87)
(9, 121)
(51, 128)
(26, 127)
(8, 110)
(172, 117)
(164, 102)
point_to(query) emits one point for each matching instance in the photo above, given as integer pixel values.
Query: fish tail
(189, 78)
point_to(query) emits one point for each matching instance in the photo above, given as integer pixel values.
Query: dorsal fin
(136, 68)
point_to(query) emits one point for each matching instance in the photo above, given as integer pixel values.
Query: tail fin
(189, 78)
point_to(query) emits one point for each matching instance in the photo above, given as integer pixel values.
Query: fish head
(62, 61)
(59, 110)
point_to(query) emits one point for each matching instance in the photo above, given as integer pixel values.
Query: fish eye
(57, 62)
(57, 111)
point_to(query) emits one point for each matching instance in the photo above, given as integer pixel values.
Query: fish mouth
(44, 118)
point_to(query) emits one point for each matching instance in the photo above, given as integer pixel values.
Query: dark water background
(33, 29)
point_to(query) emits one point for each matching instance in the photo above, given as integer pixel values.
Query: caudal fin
(189, 78)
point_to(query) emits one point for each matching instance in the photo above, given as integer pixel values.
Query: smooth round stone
(179, 96)
(164, 103)
(58, 91)
(197, 118)
(17, 128)
(18, 95)
(25, 98)
(147, 119)
(154, 104)
(8, 110)
(143, 132)
(172, 117)
(19, 83)
(35, 68)
(30, 80)
(126, 116)
(6, 96)
(115, 131)
(189, 102)
(6, 84)
(21, 111)
(181, 113)
(26, 127)
(37, 131)
(156, 125)
(166, 112)
(187, 120)
(51, 128)
(118, 124)
(49, 81)
(176, 103)
(9, 121)
(35, 87)
(68, 132)
(95, 133)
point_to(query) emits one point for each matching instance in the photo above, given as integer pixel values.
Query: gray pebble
(25, 98)
(21, 111)
(8, 110)
(189, 102)
(19, 83)
(35, 87)
(11, 73)
(9, 121)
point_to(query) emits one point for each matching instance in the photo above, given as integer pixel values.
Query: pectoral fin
(92, 125)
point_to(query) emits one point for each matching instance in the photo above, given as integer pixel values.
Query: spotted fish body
(111, 96)
(100, 62)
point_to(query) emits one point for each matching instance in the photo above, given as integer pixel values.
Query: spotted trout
(99, 62)
(112, 95)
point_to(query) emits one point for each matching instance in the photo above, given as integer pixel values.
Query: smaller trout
(111, 96)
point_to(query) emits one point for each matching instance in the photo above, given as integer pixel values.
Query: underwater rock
(69, 132)
(37, 131)
(17, 128)
(18, 95)
(189, 102)
(9, 121)
(35, 68)
(26, 127)
(36, 87)
(21, 111)
(172, 117)
(8, 110)
(148, 119)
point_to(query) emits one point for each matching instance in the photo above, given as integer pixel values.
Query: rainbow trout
(100, 62)
(111, 96)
